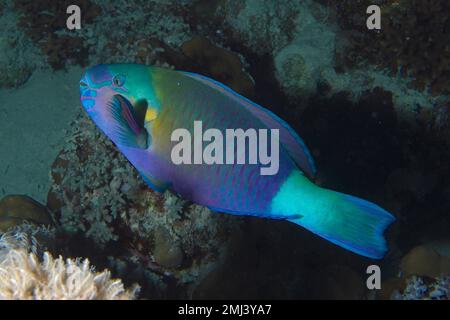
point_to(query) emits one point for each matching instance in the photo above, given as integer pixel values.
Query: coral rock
(15, 209)
(424, 261)
(167, 253)
(263, 24)
(408, 27)
(19, 56)
(219, 63)
(390, 286)
(293, 73)
(43, 20)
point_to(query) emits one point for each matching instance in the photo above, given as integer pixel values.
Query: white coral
(23, 276)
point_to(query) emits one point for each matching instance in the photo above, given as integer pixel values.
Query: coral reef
(263, 24)
(45, 23)
(305, 61)
(408, 27)
(26, 225)
(299, 37)
(26, 238)
(135, 31)
(293, 73)
(98, 195)
(423, 273)
(30, 237)
(19, 56)
(373, 133)
(23, 276)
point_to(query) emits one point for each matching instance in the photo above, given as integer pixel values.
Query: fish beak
(84, 85)
(87, 95)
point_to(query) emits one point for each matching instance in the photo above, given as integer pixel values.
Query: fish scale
(185, 113)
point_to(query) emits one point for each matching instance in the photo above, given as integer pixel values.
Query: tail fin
(352, 223)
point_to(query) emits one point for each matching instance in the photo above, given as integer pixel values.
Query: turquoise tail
(350, 222)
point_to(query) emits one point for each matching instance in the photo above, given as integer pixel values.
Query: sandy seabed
(33, 119)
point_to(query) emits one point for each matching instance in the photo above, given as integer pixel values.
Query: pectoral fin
(127, 129)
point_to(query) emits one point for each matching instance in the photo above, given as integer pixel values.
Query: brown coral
(219, 63)
(424, 261)
(15, 209)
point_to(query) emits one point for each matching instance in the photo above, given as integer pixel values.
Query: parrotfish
(138, 107)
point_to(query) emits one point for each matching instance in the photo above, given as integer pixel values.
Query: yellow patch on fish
(150, 114)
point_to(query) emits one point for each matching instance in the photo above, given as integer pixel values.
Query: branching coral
(35, 239)
(23, 276)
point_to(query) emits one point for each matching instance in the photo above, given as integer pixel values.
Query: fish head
(102, 83)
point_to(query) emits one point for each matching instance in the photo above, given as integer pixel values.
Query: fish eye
(118, 80)
(83, 84)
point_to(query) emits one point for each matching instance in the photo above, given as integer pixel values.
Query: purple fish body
(238, 188)
(140, 107)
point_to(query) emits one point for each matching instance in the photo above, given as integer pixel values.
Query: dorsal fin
(289, 139)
